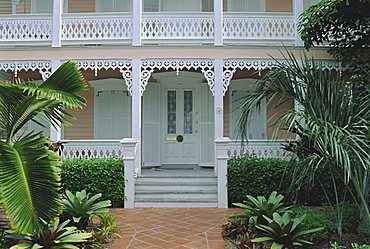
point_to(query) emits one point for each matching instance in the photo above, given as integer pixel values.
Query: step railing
(85, 149)
(258, 148)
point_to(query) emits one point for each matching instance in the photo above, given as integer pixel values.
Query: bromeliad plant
(29, 171)
(257, 208)
(284, 231)
(55, 236)
(80, 207)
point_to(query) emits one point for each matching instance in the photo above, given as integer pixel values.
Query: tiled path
(180, 228)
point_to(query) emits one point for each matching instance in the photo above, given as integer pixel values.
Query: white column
(55, 129)
(219, 99)
(298, 10)
(57, 23)
(222, 148)
(129, 155)
(136, 22)
(136, 110)
(218, 21)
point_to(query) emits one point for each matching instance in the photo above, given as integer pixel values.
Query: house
(167, 74)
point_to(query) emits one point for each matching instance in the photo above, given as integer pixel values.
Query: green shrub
(315, 218)
(256, 177)
(105, 176)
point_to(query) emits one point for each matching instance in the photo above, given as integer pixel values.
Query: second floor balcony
(205, 24)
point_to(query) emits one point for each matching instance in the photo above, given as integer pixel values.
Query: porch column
(129, 155)
(136, 110)
(57, 23)
(218, 20)
(222, 149)
(56, 128)
(219, 99)
(298, 10)
(136, 22)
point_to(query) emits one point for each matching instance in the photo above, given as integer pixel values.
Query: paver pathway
(170, 227)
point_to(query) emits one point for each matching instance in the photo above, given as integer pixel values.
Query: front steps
(173, 188)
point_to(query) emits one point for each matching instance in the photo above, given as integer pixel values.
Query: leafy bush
(104, 176)
(55, 235)
(257, 176)
(81, 207)
(284, 231)
(257, 208)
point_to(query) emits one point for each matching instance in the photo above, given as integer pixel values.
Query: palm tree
(331, 127)
(29, 171)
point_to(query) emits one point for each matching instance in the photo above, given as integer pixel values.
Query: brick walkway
(180, 228)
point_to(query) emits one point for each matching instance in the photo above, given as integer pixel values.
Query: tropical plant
(55, 236)
(331, 125)
(357, 246)
(29, 171)
(257, 208)
(80, 207)
(284, 231)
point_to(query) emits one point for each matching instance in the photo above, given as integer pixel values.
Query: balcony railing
(85, 149)
(156, 28)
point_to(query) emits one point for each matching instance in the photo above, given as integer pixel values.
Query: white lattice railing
(167, 26)
(96, 27)
(258, 148)
(91, 149)
(25, 28)
(279, 27)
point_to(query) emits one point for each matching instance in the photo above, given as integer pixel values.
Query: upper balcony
(151, 22)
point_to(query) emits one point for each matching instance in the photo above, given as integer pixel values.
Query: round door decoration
(179, 138)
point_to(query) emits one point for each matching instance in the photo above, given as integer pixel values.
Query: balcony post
(136, 110)
(298, 10)
(129, 156)
(136, 22)
(222, 145)
(218, 20)
(219, 99)
(56, 128)
(57, 23)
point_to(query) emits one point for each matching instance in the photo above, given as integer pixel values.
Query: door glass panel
(171, 112)
(188, 112)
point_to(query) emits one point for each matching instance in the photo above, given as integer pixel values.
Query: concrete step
(176, 181)
(178, 200)
(171, 196)
(175, 188)
(175, 204)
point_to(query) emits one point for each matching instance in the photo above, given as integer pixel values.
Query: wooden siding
(273, 112)
(279, 6)
(83, 126)
(78, 6)
(5, 7)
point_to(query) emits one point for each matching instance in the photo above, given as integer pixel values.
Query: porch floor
(180, 228)
(178, 170)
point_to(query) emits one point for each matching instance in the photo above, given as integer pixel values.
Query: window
(308, 3)
(257, 122)
(246, 5)
(113, 6)
(151, 6)
(45, 6)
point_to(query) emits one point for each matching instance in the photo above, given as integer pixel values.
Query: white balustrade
(96, 28)
(249, 27)
(162, 27)
(259, 148)
(25, 28)
(86, 149)
(177, 26)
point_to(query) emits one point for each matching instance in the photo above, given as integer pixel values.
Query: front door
(180, 125)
